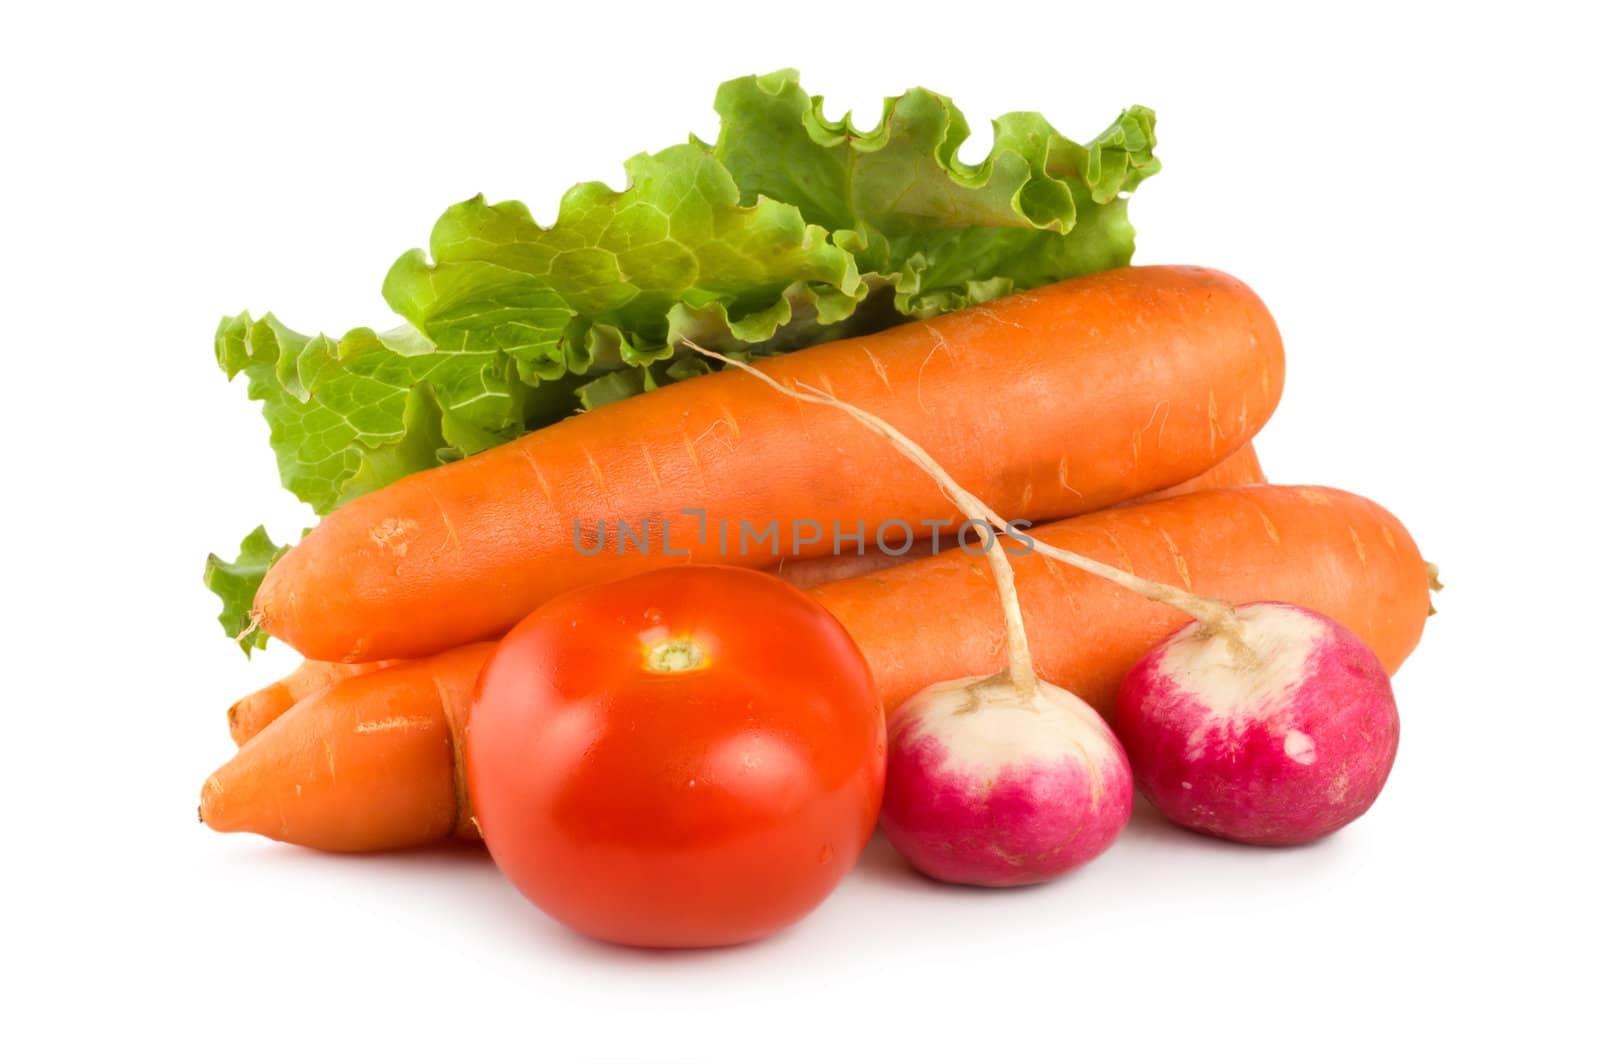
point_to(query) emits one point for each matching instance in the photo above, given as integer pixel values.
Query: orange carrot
(1328, 550)
(371, 763)
(1060, 400)
(338, 772)
(255, 711)
(1238, 469)
(1241, 468)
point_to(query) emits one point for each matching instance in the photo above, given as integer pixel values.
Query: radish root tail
(1019, 659)
(1215, 615)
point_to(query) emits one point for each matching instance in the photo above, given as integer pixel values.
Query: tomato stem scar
(674, 655)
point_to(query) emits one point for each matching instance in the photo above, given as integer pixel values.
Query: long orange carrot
(255, 711)
(337, 773)
(371, 763)
(1060, 400)
(1238, 469)
(1325, 549)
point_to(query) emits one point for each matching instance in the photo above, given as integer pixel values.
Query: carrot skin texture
(917, 624)
(1240, 468)
(256, 710)
(1142, 377)
(1326, 550)
(371, 763)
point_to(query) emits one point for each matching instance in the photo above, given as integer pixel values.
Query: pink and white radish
(1269, 724)
(1278, 733)
(1001, 780)
(991, 787)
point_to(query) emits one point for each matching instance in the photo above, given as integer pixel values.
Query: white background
(1409, 188)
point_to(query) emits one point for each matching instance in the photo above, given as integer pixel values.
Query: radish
(990, 786)
(1267, 723)
(1280, 732)
(997, 780)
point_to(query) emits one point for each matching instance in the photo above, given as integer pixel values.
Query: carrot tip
(207, 810)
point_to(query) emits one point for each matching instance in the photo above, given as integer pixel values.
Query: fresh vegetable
(1287, 544)
(994, 785)
(691, 757)
(993, 780)
(572, 420)
(253, 712)
(789, 230)
(1239, 468)
(1320, 548)
(1279, 731)
(1060, 400)
(1266, 723)
(371, 763)
(1224, 717)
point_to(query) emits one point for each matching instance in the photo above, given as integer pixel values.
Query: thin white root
(251, 629)
(1215, 614)
(1019, 658)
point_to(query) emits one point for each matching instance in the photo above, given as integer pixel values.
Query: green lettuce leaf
(1039, 208)
(789, 230)
(235, 584)
(349, 415)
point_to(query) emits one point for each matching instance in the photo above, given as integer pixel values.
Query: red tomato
(690, 757)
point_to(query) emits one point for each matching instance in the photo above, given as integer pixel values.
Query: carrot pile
(1115, 411)
(369, 763)
(1060, 400)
